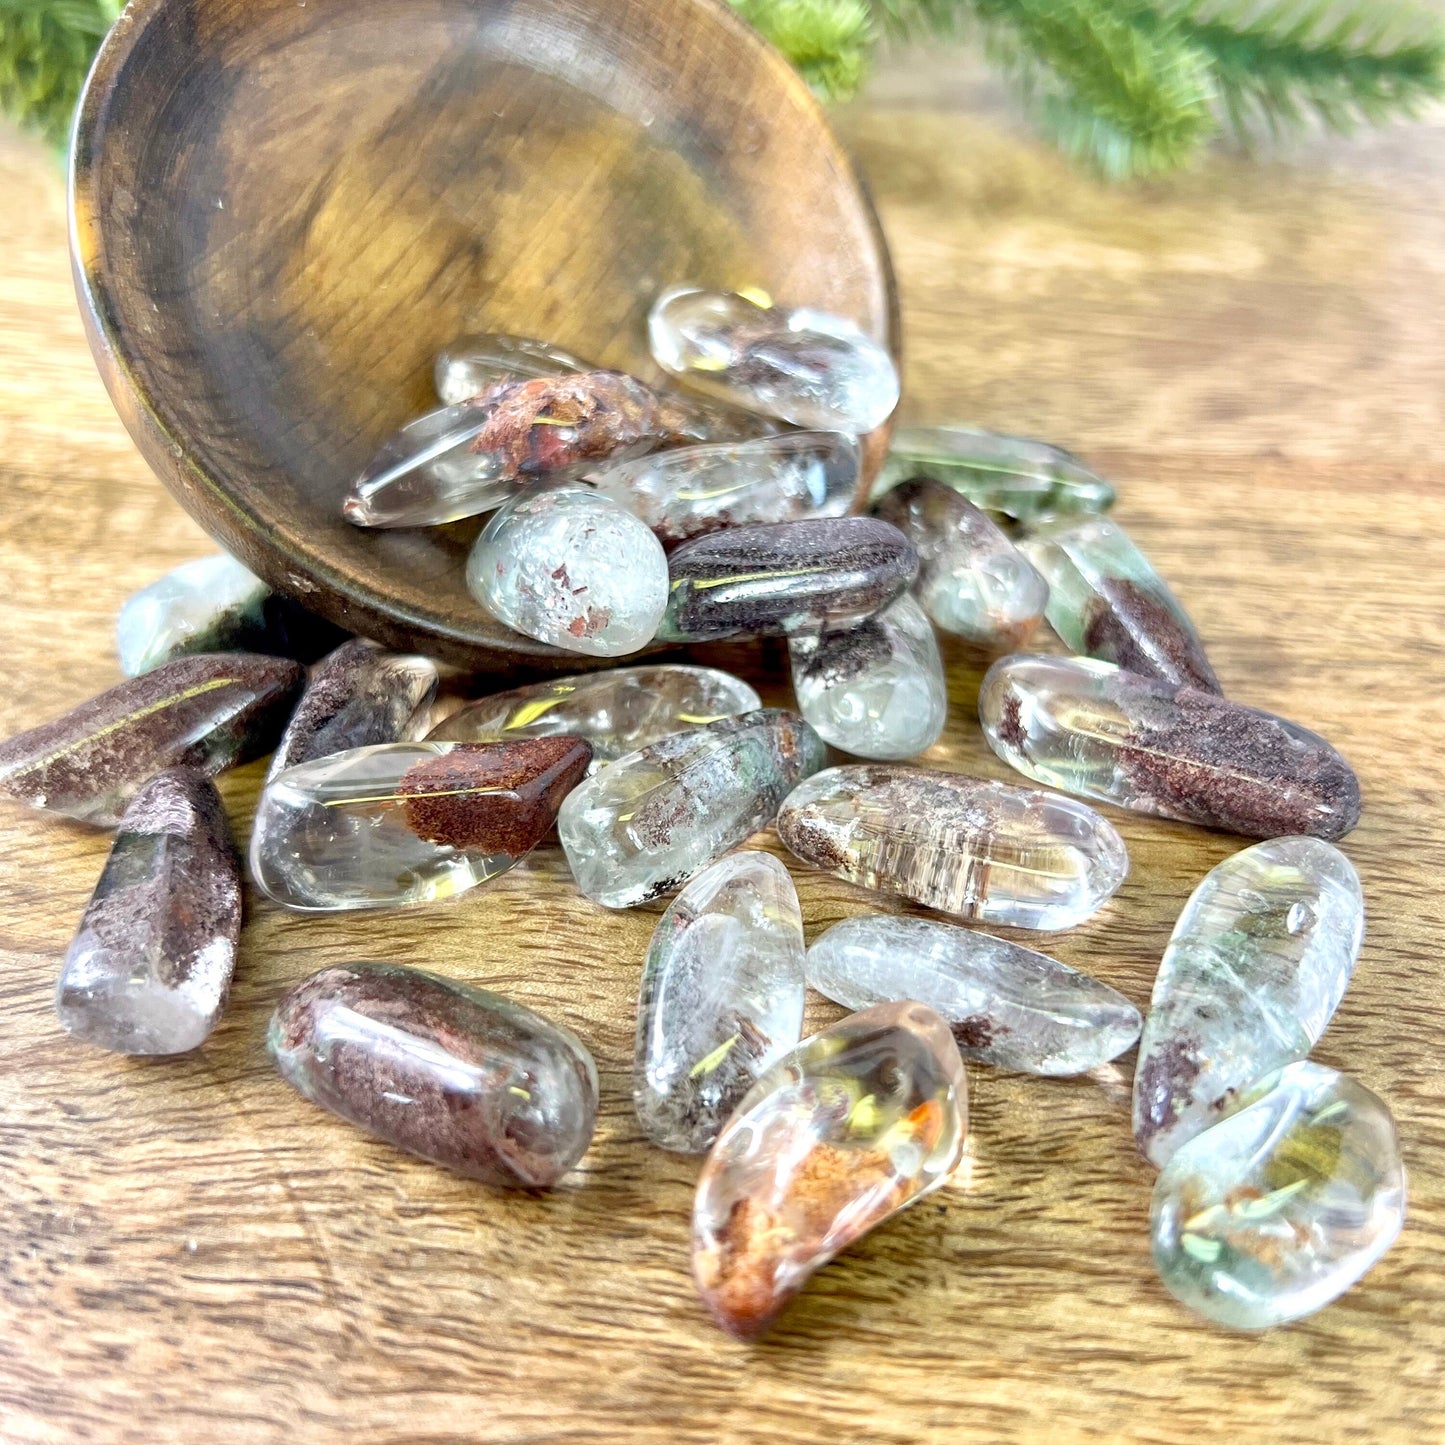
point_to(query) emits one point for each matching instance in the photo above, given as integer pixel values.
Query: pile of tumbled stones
(624, 514)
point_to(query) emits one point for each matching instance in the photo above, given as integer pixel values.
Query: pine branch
(827, 40)
(45, 51)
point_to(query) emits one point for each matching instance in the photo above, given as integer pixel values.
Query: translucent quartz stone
(1278, 1210)
(853, 1125)
(1015, 475)
(722, 997)
(617, 711)
(150, 968)
(748, 581)
(208, 712)
(440, 1069)
(972, 580)
(471, 364)
(462, 460)
(407, 822)
(647, 823)
(876, 688)
(1006, 1004)
(804, 366)
(573, 569)
(1256, 967)
(1106, 601)
(967, 846)
(1092, 729)
(689, 491)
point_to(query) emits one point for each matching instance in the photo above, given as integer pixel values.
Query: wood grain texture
(191, 1252)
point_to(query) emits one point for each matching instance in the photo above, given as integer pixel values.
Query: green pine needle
(46, 48)
(828, 40)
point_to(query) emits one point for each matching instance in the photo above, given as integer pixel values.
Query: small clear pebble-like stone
(408, 822)
(448, 1072)
(804, 366)
(617, 711)
(967, 846)
(472, 364)
(1106, 600)
(571, 568)
(972, 580)
(208, 711)
(750, 581)
(1006, 1004)
(1093, 729)
(647, 823)
(150, 968)
(875, 688)
(1017, 476)
(1256, 967)
(1277, 1211)
(722, 997)
(853, 1125)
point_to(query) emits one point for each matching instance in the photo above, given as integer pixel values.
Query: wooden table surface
(1254, 352)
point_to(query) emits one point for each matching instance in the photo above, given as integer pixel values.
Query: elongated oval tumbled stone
(1006, 1004)
(647, 823)
(617, 711)
(407, 822)
(749, 581)
(1257, 965)
(721, 998)
(1106, 600)
(445, 1071)
(1093, 729)
(1276, 1211)
(150, 967)
(856, 1123)
(208, 711)
(978, 849)
(472, 364)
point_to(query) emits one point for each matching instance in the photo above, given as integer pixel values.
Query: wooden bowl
(282, 209)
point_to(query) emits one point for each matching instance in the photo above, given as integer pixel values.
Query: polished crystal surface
(853, 1125)
(617, 711)
(407, 822)
(1106, 600)
(1254, 971)
(1006, 1004)
(972, 580)
(1093, 729)
(1018, 476)
(150, 967)
(208, 711)
(647, 823)
(472, 364)
(978, 849)
(804, 366)
(721, 998)
(443, 1070)
(1274, 1213)
(573, 569)
(876, 688)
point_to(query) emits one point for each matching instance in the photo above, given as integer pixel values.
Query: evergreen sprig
(46, 48)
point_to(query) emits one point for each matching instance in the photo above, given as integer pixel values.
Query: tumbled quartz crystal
(721, 998)
(573, 569)
(1254, 971)
(1006, 1004)
(407, 822)
(208, 711)
(856, 1123)
(804, 366)
(972, 580)
(150, 968)
(448, 1072)
(1017, 476)
(1278, 1210)
(472, 364)
(1093, 729)
(1106, 600)
(617, 711)
(647, 823)
(978, 849)
(750, 581)
(875, 688)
